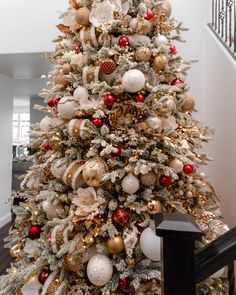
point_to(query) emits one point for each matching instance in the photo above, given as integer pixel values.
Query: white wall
(213, 86)
(6, 102)
(29, 25)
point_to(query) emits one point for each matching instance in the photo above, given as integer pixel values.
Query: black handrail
(223, 23)
(182, 269)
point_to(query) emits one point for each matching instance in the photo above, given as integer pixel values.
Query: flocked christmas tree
(119, 145)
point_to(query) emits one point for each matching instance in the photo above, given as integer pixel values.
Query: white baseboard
(5, 219)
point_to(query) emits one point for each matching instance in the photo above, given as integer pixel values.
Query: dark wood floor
(5, 257)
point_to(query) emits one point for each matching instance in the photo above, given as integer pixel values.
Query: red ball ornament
(77, 47)
(165, 181)
(109, 100)
(107, 66)
(43, 276)
(34, 232)
(149, 14)
(177, 82)
(55, 101)
(172, 49)
(121, 217)
(124, 41)
(124, 283)
(188, 169)
(50, 103)
(116, 152)
(47, 147)
(139, 97)
(97, 122)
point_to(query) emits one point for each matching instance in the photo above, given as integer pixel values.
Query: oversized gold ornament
(154, 207)
(189, 104)
(55, 141)
(160, 62)
(115, 245)
(143, 27)
(143, 54)
(164, 7)
(73, 175)
(66, 69)
(149, 179)
(82, 16)
(93, 171)
(59, 79)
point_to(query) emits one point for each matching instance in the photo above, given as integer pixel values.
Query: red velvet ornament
(139, 97)
(124, 283)
(43, 276)
(116, 152)
(188, 169)
(124, 41)
(165, 181)
(97, 122)
(121, 217)
(107, 66)
(50, 103)
(172, 49)
(177, 82)
(47, 146)
(55, 101)
(109, 100)
(77, 47)
(34, 232)
(149, 14)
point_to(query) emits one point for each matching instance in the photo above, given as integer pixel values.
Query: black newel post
(179, 232)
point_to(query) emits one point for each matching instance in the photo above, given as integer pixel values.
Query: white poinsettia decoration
(103, 12)
(87, 201)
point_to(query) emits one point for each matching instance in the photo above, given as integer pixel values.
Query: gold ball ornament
(189, 104)
(143, 54)
(164, 7)
(154, 207)
(59, 79)
(115, 245)
(160, 62)
(82, 16)
(55, 142)
(143, 27)
(93, 171)
(66, 69)
(149, 179)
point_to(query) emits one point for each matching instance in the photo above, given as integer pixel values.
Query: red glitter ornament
(172, 49)
(177, 82)
(97, 122)
(121, 217)
(43, 276)
(124, 283)
(149, 14)
(139, 97)
(188, 169)
(109, 100)
(165, 181)
(77, 47)
(124, 41)
(47, 147)
(34, 232)
(107, 66)
(116, 152)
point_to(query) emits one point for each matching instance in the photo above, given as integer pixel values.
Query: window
(21, 127)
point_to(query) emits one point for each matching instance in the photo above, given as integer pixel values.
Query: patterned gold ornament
(189, 104)
(160, 62)
(143, 27)
(164, 7)
(93, 171)
(115, 245)
(143, 54)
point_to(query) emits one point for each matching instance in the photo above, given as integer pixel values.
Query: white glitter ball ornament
(150, 244)
(81, 93)
(46, 123)
(133, 80)
(99, 270)
(66, 107)
(176, 165)
(160, 40)
(155, 123)
(130, 184)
